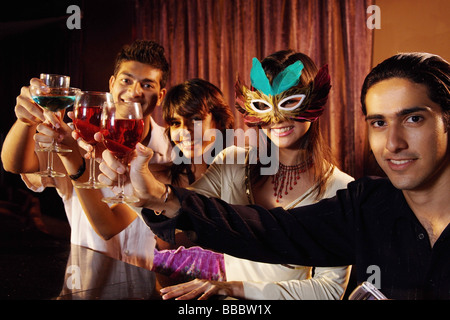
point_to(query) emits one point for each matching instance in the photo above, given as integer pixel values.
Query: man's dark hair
(419, 67)
(144, 51)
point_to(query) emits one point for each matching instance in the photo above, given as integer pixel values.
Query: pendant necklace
(287, 176)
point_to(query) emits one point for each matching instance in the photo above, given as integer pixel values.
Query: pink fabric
(190, 263)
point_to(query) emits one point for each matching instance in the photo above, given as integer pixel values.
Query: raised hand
(26, 109)
(142, 180)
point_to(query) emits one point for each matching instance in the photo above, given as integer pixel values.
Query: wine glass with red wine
(122, 128)
(87, 121)
(55, 95)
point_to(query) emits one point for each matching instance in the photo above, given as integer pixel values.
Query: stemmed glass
(87, 121)
(122, 128)
(54, 96)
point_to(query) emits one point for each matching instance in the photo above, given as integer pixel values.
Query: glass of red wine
(87, 121)
(54, 96)
(122, 128)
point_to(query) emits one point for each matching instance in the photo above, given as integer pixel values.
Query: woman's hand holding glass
(111, 168)
(122, 126)
(87, 121)
(139, 180)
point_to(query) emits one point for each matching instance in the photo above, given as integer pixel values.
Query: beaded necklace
(287, 176)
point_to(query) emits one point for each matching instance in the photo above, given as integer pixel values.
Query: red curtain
(217, 39)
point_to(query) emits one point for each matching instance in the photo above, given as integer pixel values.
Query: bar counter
(36, 266)
(90, 275)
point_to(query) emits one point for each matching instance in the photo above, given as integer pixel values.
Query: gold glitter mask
(284, 99)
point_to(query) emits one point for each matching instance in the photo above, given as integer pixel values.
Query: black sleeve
(317, 235)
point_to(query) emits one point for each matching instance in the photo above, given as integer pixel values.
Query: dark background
(35, 39)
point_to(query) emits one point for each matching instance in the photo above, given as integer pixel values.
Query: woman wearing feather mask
(285, 100)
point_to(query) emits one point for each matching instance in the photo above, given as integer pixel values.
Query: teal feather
(259, 79)
(288, 78)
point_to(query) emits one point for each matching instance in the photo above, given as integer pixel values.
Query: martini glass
(55, 96)
(122, 128)
(87, 121)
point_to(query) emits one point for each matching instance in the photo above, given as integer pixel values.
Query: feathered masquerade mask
(283, 100)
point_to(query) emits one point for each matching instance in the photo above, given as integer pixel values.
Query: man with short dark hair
(140, 75)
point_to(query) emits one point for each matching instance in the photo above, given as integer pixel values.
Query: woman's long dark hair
(195, 97)
(312, 142)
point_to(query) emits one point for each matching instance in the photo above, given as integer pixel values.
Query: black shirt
(368, 225)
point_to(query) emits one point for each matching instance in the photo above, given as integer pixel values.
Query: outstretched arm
(317, 235)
